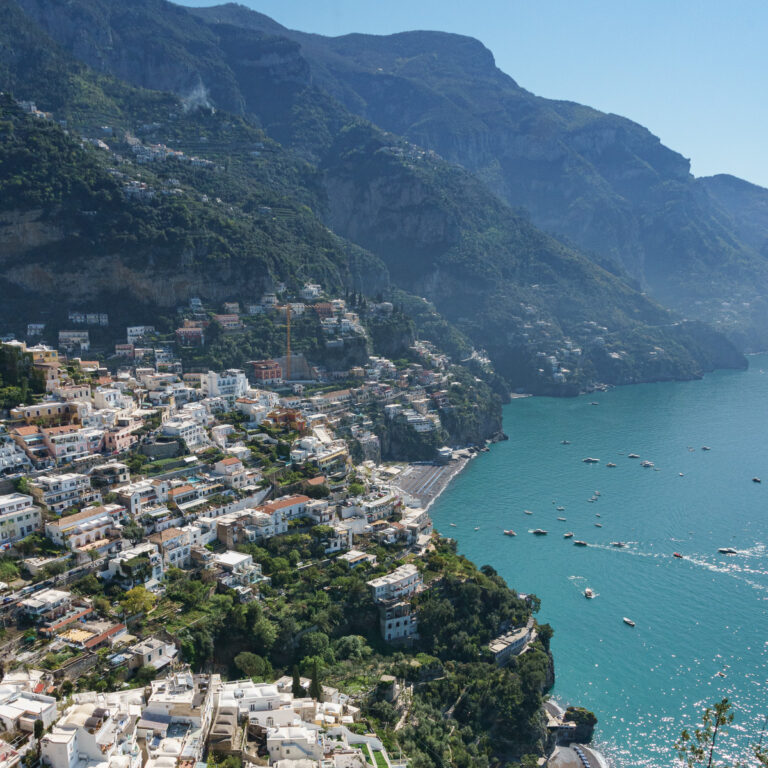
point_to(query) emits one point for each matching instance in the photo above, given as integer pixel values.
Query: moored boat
(591, 460)
(628, 622)
(561, 519)
(633, 456)
(568, 535)
(509, 532)
(539, 532)
(610, 465)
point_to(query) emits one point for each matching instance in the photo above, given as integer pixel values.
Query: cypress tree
(296, 688)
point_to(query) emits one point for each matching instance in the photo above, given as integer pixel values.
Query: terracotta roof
(273, 506)
(162, 536)
(61, 430)
(180, 490)
(230, 460)
(69, 520)
(24, 431)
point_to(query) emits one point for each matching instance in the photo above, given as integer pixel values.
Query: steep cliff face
(746, 204)
(157, 45)
(600, 181)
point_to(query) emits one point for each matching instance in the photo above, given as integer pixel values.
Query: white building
(402, 582)
(90, 735)
(294, 743)
(12, 457)
(93, 525)
(143, 494)
(230, 384)
(187, 430)
(20, 709)
(139, 565)
(60, 492)
(18, 517)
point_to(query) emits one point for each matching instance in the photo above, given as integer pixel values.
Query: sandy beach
(425, 482)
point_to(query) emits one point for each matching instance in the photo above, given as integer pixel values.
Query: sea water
(701, 629)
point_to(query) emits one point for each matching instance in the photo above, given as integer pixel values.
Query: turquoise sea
(701, 621)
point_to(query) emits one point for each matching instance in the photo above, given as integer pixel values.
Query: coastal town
(145, 506)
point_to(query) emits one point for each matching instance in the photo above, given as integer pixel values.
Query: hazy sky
(695, 72)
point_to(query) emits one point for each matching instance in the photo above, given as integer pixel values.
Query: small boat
(647, 464)
(727, 551)
(561, 509)
(680, 474)
(691, 448)
(597, 493)
(590, 460)
(597, 514)
(610, 465)
(453, 525)
(477, 527)
(591, 501)
(619, 544)
(756, 480)
(579, 543)
(594, 403)
(561, 519)
(633, 456)
(628, 622)
(720, 674)
(589, 593)
(527, 511)
(539, 532)
(565, 442)
(676, 554)
(598, 525)
(568, 535)
(509, 532)
(705, 448)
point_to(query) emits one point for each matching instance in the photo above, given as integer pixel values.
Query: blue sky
(695, 72)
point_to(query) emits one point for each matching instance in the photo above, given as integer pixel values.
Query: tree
(39, 731)
(250, 664)
(138, 600)
(297, 689)
(699, 748)
(133, 532)
(315, 688)
(145, 675)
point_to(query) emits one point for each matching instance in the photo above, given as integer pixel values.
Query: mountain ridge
(598, 180)
(504, 284)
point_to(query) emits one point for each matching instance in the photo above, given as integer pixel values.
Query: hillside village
(144, 507)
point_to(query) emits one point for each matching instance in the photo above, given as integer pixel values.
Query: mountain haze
(361, 207)
(601, 181)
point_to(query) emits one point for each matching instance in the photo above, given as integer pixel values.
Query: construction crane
(287, 342)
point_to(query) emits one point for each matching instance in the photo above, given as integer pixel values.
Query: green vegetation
(18, 378)
(321, 622)
(699, 747)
